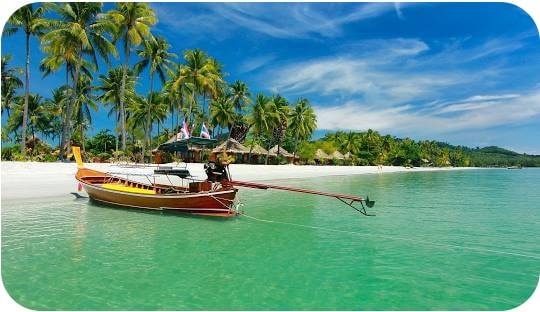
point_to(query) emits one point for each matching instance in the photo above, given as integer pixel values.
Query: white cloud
(279, 20)
(397, 7)
(256, 62)
(368, 77)
(388, 72)
(476, 98)
(405, 120)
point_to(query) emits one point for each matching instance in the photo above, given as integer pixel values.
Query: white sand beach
(33, 180)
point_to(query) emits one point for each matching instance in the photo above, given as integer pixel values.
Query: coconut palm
(81, 32)
(240, 95)
(54, 111)
(86, 100)
(36, 115)
(283, 111)
(29, 19)
(302, 122)
(222, 113)
(111, 93)
(202, 72)
(156, 57)
(175, 95)
(263, 118)
(140, 114)
(10, 83)
(159, 111)
(136, 111)
(240, 98)
(133, 21)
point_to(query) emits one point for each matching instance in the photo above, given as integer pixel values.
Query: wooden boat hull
(212, 203)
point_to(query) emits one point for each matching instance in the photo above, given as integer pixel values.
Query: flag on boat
(185, 130)
(204, 132)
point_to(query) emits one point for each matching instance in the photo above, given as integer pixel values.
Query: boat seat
(129, 189)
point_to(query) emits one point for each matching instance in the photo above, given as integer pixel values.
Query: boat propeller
(369, 203)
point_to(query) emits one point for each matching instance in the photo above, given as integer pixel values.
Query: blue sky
(464, 73)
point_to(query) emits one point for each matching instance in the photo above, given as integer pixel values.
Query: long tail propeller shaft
(346, 199)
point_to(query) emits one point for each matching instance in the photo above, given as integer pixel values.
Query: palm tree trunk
(82, 138)
(267, 155)
(66, 131)
(295, 145)
(33, 140)
(230, 127)
(251, 150)
(172, 118)
(148, 119)
(123, 93)
(26, 94)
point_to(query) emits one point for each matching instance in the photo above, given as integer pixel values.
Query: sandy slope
(37, 180)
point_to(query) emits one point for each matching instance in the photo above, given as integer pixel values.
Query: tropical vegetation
(145, 84)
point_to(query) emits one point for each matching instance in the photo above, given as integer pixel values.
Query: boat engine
(216, 172)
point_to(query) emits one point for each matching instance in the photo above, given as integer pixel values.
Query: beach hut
(258, 154)
(231, 147)
(321, 157)
(190, 149)
(337, 157)
(290, 157)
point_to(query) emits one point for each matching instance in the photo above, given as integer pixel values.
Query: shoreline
(34, 180)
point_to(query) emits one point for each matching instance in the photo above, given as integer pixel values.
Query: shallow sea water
(456, 240)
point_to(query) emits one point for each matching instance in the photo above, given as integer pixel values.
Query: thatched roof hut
(337, 155)
(259, 150)
(231, 146)
(282, 152)
(320, 154)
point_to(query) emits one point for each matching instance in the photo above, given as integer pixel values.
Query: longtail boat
(195, 197)
(214, 196)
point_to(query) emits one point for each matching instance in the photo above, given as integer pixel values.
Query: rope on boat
(233, 205)
(479, 249)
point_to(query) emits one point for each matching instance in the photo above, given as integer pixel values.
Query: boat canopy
(186, 144)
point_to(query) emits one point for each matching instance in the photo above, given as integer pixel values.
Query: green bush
(8, 152)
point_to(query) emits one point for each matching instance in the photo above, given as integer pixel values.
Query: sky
(463, 73)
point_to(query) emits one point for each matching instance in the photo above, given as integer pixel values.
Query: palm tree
(81, 108)
(175, 95)
(240, 95)
(283, 111)
(54, 111)
(302, 122)
(140, 114)
(262, 118)
(202, 72)
(240, 98)
(222, 113)
(155, 55)
(111, 93)
(81, 32)
(159, 110)
(10, 83)
(36, 115)
(136, 110)
(133, 21)
(29, 19)
(348, 142)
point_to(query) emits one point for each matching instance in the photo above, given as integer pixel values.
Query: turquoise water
(460, 240)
